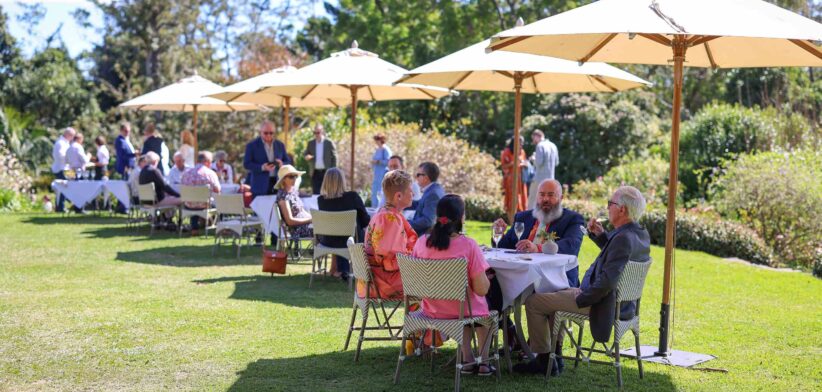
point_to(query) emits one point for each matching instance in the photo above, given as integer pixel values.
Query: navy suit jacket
(426, 208)
(125, 156)
(568, 227)
(253, 161)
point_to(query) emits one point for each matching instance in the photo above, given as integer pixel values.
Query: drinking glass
(498, 233)
(519, 228)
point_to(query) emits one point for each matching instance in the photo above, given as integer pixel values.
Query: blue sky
(76, 38)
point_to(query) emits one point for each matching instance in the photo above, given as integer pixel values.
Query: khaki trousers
(540, 309)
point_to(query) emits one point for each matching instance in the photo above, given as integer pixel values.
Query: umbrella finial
(520, 22)
(354, 44)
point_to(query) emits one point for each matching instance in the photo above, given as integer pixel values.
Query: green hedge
(713, 236)
(483, 208)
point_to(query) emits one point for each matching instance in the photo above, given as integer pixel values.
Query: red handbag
(275, 260)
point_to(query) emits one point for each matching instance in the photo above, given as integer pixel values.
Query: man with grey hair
(545, 160)
(595, 296)
(58, 154)
(263, 157)
(165, 194)
(175, 175)
(201, 174)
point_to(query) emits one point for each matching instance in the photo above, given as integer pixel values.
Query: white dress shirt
(76, 156)
(319, 162)
(58, 154)
(175, 175)
(103, 156)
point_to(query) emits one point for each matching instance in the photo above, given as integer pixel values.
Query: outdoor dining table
(521, 274)
(82, 192)
(262, 206)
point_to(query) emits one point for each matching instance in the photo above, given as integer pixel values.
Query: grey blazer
(329, 154)
(628, 242)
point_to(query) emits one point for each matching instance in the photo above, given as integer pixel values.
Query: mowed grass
(87, 305)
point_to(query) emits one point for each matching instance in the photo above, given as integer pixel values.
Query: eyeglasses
(610, 203)
(420, 175)
(291, 177)
(268, 133)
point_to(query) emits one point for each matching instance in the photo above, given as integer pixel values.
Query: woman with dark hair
(445, 241)
(509, 164)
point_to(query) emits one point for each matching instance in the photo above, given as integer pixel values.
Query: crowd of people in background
(412, 214)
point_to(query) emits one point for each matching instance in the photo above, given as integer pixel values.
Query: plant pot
(550, 248)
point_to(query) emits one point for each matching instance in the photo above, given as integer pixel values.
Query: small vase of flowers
(549, 242)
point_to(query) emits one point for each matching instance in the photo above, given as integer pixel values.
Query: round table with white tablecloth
(82, 192)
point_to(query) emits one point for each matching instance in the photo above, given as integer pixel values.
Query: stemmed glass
(519, 228)
(498, 233)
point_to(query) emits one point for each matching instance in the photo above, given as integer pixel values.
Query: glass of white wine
(498, 233)
(519, 228)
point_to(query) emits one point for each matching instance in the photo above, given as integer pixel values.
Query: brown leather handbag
(275, 260)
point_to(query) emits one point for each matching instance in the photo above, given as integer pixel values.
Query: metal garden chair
(148, 204)
(196, 194)
(234, 220)
(329, 223)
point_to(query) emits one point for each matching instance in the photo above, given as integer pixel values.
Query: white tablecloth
(262, 205)
(81, 193)
(517, 273)
(229, 188)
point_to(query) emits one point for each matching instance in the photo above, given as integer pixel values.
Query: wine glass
(519, 228)
(498, 233)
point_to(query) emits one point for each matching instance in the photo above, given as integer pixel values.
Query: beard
(550, 215)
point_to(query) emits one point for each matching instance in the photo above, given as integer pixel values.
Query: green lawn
(87, 305)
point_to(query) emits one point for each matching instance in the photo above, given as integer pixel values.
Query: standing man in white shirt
(321, 154)
(546, 159)
(76, 155)
(103, 158)
(58, 154)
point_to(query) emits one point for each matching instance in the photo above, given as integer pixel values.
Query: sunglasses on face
(420, 175)
(268, 133)
(292, 177)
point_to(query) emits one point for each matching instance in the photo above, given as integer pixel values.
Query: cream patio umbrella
(246, 92)
(186, 95)
(474, 69)
(349, 76)
(696, 33)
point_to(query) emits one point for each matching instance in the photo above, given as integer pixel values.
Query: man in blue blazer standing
(426, 207)
(263, 157)
(124, 151)
(550, 217)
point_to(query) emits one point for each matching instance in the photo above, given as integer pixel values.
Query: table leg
(518, 320)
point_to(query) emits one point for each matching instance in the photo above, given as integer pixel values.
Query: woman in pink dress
(389, 233)
(446, 242)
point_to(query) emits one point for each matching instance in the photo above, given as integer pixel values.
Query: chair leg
(180, 226)
(458, 370)
(505, 338)
(638, 353)
(314, 269)
(553, 346)
(362, 335)
(350, 327)
(400, 360)
(617, 363)
(579, 346)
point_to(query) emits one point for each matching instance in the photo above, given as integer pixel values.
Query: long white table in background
(262, 206)
(82, 192)
(521, 274)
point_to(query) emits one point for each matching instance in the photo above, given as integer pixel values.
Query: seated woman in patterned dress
(296, 217)
(389, 233)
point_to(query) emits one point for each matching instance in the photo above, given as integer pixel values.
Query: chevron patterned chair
(629, 288)
(442, 280)
(362, 272)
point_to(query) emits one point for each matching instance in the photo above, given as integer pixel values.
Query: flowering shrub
(14, 181)
(780, 196)
(464, 169)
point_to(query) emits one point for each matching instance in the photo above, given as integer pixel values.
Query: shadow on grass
(191, 256)
(74, 219)
(375, 371)
(291, 290)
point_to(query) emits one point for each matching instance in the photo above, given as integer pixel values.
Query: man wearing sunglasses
(263, 157)
(426, 207)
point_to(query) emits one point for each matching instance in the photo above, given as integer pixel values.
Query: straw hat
(285, 171)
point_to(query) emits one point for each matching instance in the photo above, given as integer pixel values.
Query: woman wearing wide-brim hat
(291, 206)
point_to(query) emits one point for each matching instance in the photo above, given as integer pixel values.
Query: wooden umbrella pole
(679, 45)
(287, 120)
(512, 209)
(194, 130)
(353, 131)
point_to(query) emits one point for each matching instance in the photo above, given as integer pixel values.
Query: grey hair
(152, 157)
(177, 154)
(267, 124)
(551, 180)
(632, 199)
(538, 133)
(203, 156)
(69, 131)
(220, 155)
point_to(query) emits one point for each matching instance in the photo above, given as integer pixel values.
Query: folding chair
(442, 280)
(148, 204)
(362, 272)
(629, 288)
(293, 242)
(234, 220)
(330, 224)
(196, 194)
